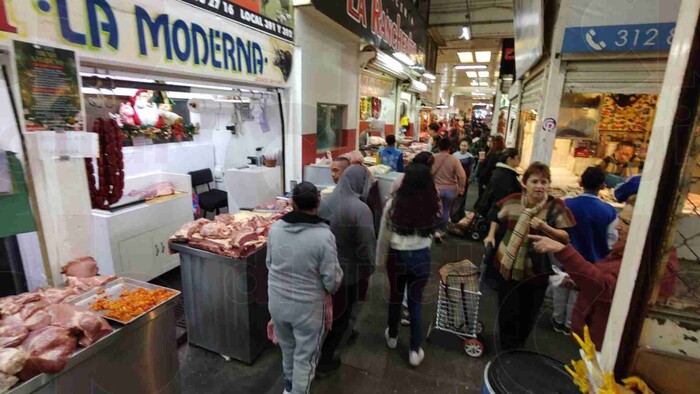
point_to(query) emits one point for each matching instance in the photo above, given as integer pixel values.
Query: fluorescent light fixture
(194, 85)
(404, 58)
(483, 74)
(471, 67)
(118, 78)
(472, 74)
(389, 62)
(465, 57)
(441, 106)
(483, 84)
(466, 33)
(483, 56)
(474, 83)
(478, 94)
(429, 76)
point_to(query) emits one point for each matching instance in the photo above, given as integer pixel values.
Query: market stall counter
(138, 357)
(224, 280)
(225, 302)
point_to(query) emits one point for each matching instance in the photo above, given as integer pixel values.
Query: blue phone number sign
(620, 38)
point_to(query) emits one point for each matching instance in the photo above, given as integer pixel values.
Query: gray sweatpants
(300, 332)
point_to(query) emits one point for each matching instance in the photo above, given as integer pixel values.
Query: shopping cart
(458, 305)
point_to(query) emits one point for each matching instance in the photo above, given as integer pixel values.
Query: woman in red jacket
(596, 282)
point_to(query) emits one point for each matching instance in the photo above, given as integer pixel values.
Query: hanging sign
(375, 87)
(49, 88)
(390, 25)
(277, 22)
(624, 26)
(161, 35)
(507, 57)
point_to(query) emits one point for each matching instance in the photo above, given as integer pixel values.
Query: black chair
(211, 200)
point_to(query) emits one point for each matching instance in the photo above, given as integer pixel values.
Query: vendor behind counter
(624, 163)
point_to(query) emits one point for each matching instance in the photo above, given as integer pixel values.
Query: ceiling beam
(495, 22)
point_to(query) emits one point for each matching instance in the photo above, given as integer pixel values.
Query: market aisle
(368, 365)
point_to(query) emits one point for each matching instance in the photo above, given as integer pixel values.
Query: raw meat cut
(12, 336)
(87, 284)
(209, 246)
(38, 320)
(215, 230)
(12, 360)
(49, 350)
(13, 304)
(55, 295)
(153, 191)
(84, 267)
(30, 308)
(241, 239)
(226, 218)
(7, 381)
(88, 325)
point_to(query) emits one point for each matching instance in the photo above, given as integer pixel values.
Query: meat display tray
(112, 290)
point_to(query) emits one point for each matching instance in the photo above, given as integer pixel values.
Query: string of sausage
(110, 165)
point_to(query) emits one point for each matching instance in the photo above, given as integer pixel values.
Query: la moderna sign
(155, 34)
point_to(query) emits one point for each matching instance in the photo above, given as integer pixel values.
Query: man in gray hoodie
(303, 268)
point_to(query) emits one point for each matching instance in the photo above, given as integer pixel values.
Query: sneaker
(567, 331)
(287, 386)
(391, 342)
(415, 358)
(559, 327)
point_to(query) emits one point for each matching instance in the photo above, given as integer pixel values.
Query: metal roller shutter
(533, 91)
(622, 77)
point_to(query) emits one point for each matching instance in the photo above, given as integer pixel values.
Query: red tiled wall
(388, 129)
(308, 146)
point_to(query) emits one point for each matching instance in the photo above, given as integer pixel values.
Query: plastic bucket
(522, 371)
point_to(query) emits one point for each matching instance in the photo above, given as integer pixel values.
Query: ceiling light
(117, 77)
(483, 74)
(472, 74)
(474, 83)
(465, 57)
(478, 94)
(471, 67)
(466, 33)
(194, 85)
(404, 58)
(429, 76)
(483, 84)
(483, 56)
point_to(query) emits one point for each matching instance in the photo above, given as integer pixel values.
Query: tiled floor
(368, 366)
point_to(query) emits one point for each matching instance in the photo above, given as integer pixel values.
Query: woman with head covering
(404, 245)
(353, 227)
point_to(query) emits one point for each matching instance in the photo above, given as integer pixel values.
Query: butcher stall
(224, 280)
(117, 334)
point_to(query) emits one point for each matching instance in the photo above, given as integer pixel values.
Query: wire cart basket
(458, 305)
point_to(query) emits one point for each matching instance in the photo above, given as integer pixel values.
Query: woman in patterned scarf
(523, 271)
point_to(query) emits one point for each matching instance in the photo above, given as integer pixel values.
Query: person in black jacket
(504, 181)
(486, 167)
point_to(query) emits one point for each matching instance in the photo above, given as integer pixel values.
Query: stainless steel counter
(140, 357)
(225, 302)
